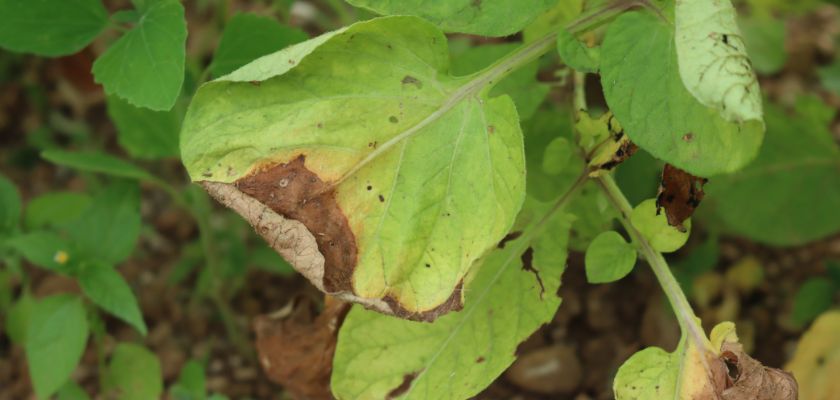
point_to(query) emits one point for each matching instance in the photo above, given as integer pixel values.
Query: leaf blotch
(410, 80)
(297, 193)
(509, 237)
(680, 193)
(528, 265)
(404, 385)
(392, 119)
(381, 198)
(453, 303)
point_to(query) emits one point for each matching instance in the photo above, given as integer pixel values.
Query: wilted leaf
(146, 65)
(55, 340)
(248, 37)
(609, 258)
(797, 172)
(680, 193)
(296, 348)
(639, 73)
(377, 175)
(480, 17)
(816, 363)
(511, 295)
(50, 28)
(713, 60)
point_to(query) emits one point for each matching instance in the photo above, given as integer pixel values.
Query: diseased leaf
(510, 296)
(713, 60)
(54, 209)
(108, 230)
(577, 54)
(479, 17)
(377, 175)
(133, 373)
(247, 37)
(654, 226)
(97, 162)
(107, 289)
(55, 340)
(9, 205)
(50, 28)
(609, 258)
(798, 171)
(643, 88)
(816, 362)
(680, 193)
(146, 65)
(521, 85)
(145, 133)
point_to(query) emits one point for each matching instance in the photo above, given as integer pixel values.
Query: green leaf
(653, 225)
(815, 296)
(108, 230)
(72, 391)
(191, 383)
(789, 195)
(145, 133)
(97, 162)
(577, 54)
(546, 178)
(506, 302)
(50, 28)
(764, 37)
(486, 18)
(55, 340)
(713, 62)
(9, 205)
(643, 88)
(107, 289)
(17, 319)
(54, 209)
(609, 258)
(248, 37)
(521, 85)
(44, 249)
(427, 169)
(146, 65)
(830, 76)
(133, 373)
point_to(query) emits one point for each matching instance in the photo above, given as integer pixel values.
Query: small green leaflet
(55, 340)
(108, 289)
(45, 249)
(146, 65)
(609, 258)
(48, 27)
(653, 225)
(145, 133)
(577, 54)
(427, 169)
(512, 293)
(248, 37)
(486, 18)
(133, 373)
(643, 88)
(713, 59)
(108, 230)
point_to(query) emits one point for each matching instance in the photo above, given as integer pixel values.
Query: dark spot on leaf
(820, 361)
(527, 265)
(510, 236)
(491, 129)
(479, 360)
(255, 83)
(297, 193)
(680, 193)
(625, 151)
(207, 174)
(393, 119)
(403, 387)
(320, 125)
(428, 265)
(688, 137)
(476, 4)
(381, 198)
(410, 80)
(291, 62)
(369, 187)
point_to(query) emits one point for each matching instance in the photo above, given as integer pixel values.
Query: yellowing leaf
(816, 363)
(713, 59)
(360, 159)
